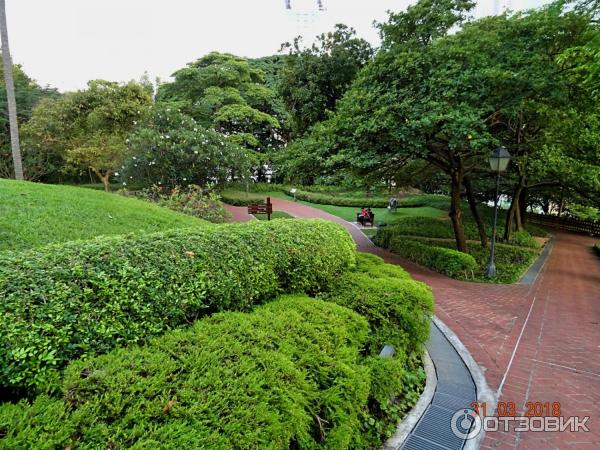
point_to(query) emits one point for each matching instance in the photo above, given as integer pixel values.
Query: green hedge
(597, 248)
(442, 228)
(241, 198)
(339, 200)
(84, 298)
(450, 262)
(294, 373)
(287, 375)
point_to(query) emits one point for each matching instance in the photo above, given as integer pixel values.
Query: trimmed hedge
(295, 373)
(84, 298)
(339, 200)
(597, 248)
(442, 228)
(285, 376)
(450, 262)
(241, 198)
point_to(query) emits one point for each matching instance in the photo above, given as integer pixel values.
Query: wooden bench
(365, 220)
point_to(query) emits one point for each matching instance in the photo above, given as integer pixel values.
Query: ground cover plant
(84, 298)
(191, 200)
(294, 373)
(33, 214)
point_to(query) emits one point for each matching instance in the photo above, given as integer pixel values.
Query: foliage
(450, 262)
(171, 149)
(227, 93)
(288, 374)
(314, 78)
(83, 298)
(89, 128)
(241, 198)
(296, 372)
(337, 200)
(32, 215)
(275, 215)
(191, 200)
(441, 228)
(28, 94)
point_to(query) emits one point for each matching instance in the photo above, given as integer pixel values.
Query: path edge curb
(410, 420)
(484, 392)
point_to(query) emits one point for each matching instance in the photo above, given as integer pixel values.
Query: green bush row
(337, 200)
(241, 198)
(84, 298)
(597, 248)
(295, 373)
(442, 228)
(450, 262)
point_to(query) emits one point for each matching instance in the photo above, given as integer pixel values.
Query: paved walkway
(535, 343)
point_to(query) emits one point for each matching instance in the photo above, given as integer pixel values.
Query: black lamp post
(499, 160)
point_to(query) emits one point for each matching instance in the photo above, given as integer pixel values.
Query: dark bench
(364, 220)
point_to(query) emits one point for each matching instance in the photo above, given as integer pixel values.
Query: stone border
(531, 274)
(484, 392)
(414, 415)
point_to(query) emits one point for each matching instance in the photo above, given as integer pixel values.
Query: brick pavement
(535, 343)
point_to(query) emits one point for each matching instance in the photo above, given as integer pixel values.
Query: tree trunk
(523, 206)
(10, 95)
(105, 178)
(511, 214)
(456, 212)
(518, 219)
(475, 212)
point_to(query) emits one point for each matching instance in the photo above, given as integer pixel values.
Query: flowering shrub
(170, 149)
(192, 200)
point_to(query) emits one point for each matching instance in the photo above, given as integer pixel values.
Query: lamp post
(499, 160)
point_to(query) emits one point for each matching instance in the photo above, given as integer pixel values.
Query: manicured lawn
(381, 214)
(34, 214)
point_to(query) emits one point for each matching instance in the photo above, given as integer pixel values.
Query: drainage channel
(455, 390)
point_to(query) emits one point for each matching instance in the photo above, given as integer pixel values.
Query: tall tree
(313, 79)
(227, 93)
(10, 94)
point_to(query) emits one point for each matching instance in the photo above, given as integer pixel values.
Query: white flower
(195, 152)
(134, 157)
(116, 174)
(185, 179)
(124, 184)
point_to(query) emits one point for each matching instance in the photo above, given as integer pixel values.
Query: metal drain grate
(455, 390)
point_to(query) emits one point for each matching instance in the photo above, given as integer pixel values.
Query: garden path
(535, 343)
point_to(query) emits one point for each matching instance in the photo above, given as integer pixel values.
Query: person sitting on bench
(363, 216)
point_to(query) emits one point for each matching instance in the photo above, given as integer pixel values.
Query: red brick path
(535, 343)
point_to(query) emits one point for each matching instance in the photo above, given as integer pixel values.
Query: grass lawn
(381, 214)
(275, 215)
(34, 214)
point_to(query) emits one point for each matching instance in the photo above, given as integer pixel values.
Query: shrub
(286, 376)
(597, 248)
(524, 239)
(84, 298)
(398, 308)
(191, 200)
(432, 200)
(241, 198)
(399, 311)
(337, 200)
(511, 261)
(443, 260)
(442, 228)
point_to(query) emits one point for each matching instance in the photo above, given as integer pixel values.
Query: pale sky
(65, 43)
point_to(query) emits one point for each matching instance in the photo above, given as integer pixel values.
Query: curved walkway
(536, 343)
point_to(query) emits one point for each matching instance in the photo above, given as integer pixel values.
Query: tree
(171, 149)
(89, 128)
(313, 79)
(10, 95)
(27, 94)
(227, 93)
(414, 101)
